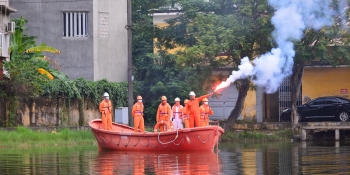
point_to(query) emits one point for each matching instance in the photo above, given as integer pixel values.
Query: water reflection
(157, 163)
(262, 159)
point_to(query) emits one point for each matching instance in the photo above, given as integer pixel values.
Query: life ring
(161, 123)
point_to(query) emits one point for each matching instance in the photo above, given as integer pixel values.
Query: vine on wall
(82, 90)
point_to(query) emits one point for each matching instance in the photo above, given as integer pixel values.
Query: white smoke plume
(291, 18)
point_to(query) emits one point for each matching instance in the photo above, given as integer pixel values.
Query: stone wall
(47, 111)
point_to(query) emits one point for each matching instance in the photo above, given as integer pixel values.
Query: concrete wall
(103, 54)
(110, 42)
(47, 111)
(323, 81)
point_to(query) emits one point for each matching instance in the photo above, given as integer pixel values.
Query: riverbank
(23, 137)
(257, 135)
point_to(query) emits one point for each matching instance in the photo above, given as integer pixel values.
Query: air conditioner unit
(11, 27)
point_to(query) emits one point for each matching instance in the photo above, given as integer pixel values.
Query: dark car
(321, 108)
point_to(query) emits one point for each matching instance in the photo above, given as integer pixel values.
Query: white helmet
(106, 94)
(177, 99)
(192, 93)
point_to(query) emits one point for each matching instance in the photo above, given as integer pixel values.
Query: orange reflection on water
(157, 163)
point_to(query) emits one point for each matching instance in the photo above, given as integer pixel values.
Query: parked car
(321, 108)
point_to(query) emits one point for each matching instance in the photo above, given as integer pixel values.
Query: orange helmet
(163, 97)
(185, 101)
(139, 97)
(205, 100)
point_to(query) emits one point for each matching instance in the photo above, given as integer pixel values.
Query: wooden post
(337, 134)
(303, 134)
(32, 121)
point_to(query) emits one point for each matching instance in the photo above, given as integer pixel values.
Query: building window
(75, 24)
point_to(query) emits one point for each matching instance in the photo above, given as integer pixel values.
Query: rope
(144, 144)
(179, 142)
(151, 144)
(118, 142)
(171, 141)
(98, 139)
(126, 143)
(136, 143)
(202, 140)
(105, 140)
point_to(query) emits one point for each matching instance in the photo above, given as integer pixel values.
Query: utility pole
(130, 85)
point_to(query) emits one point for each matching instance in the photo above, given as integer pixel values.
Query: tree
(26, 70)
(329, 45)
(219, 34)
(157, 75)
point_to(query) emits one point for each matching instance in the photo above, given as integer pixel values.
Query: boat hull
(123, 138)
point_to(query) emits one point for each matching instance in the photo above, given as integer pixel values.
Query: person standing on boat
(106, 112)
(137, 113)
(205, 110)
(163, 114)
(193, 108)
(177, 114)
(185, 116)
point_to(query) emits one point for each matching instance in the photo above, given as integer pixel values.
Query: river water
(232, 158)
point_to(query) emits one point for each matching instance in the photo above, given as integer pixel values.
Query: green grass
(262, 135)
(24, 137)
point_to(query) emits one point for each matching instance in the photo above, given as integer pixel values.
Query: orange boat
(123, 138)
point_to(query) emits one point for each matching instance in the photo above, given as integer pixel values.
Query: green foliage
(24, 137)
(157, 75)
(219, 33)
(79, 88)
(23, 78)
(163, 77)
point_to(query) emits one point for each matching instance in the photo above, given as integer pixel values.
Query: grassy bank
(24, 137)
(257, 135)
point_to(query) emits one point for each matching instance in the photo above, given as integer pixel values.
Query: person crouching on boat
(106, 112)
(193, 108)
(185, 116)
(205, 110)
(177, 114)
(137, 113)
(163, 114)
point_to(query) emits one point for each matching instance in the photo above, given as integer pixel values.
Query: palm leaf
(42, 48)
(43, 71)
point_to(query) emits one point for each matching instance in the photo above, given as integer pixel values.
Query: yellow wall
(324, 81)
(249, 110)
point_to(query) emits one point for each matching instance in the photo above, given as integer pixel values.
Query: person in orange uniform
(204, 111)
(185, 116)
(137, 113)
(193, 108)
(177, 114)
(163, 113)
(106, 112)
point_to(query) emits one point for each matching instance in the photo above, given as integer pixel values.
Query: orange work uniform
(205, 111)
(163, 113)
(193, 110)
(186, 117)
(137, 113)
(106, 111)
